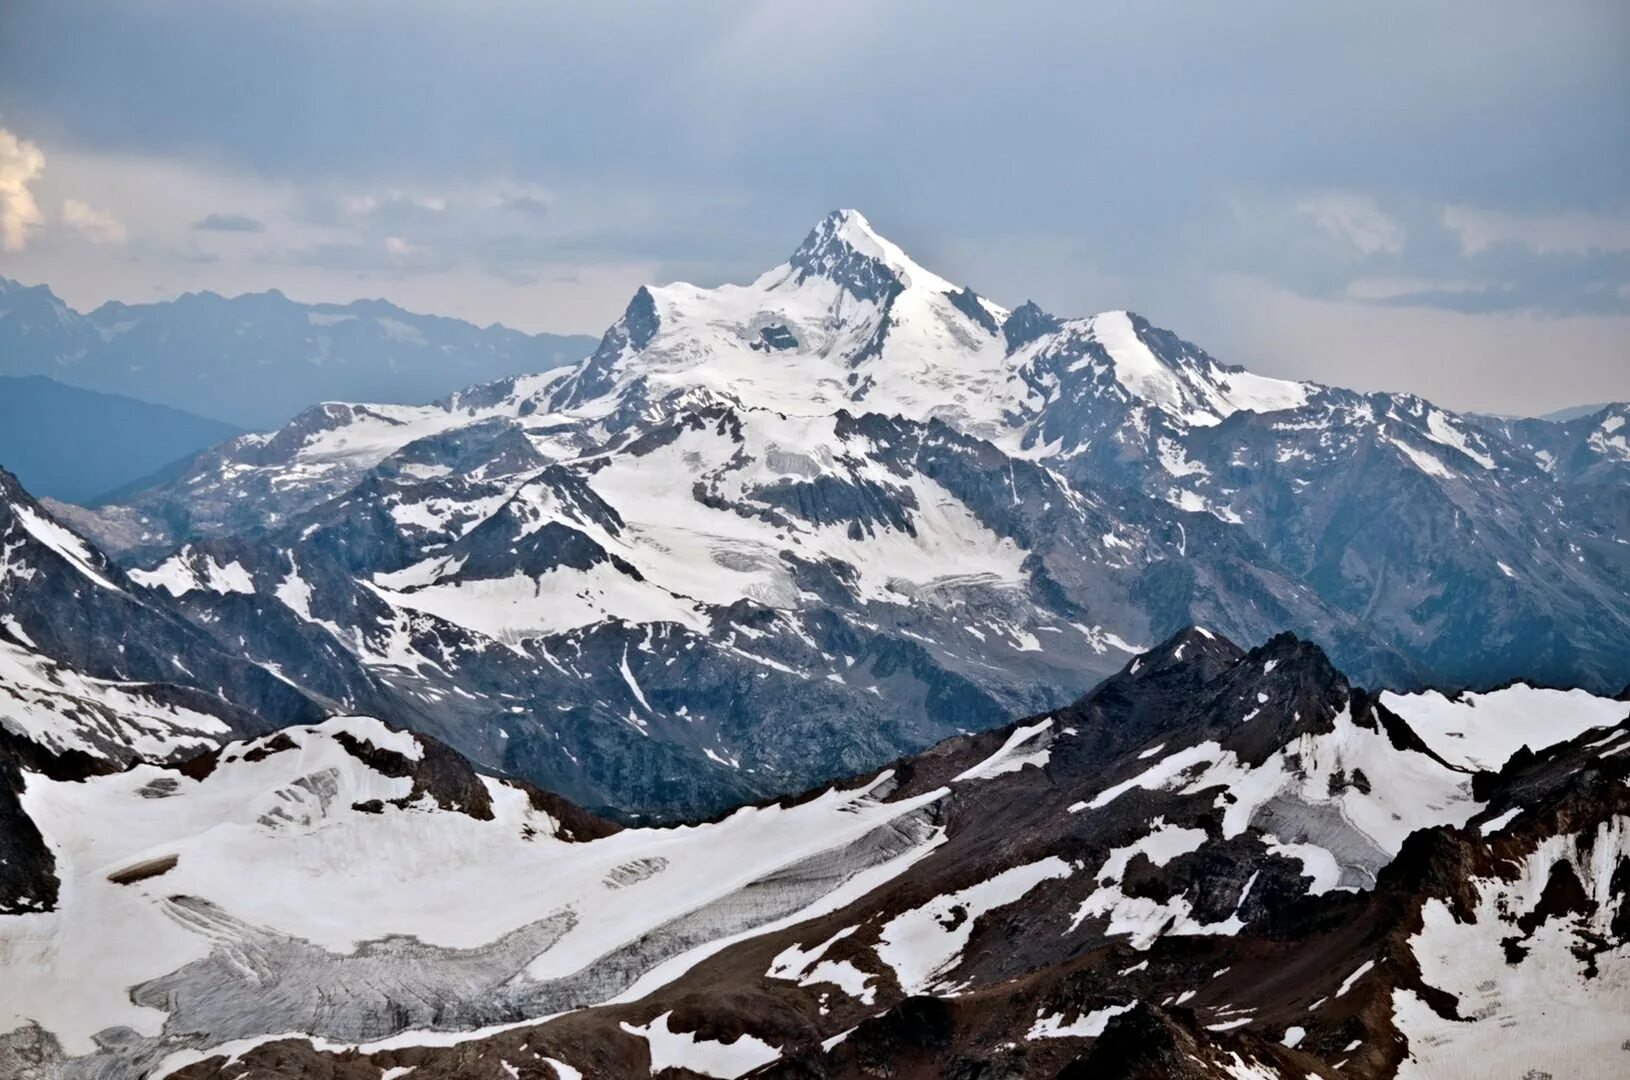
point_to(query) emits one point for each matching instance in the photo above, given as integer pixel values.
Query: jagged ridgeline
(1220, 863)
(771, 533)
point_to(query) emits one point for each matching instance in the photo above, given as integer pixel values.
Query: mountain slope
(257, 360)
(71, 444)
(88, 664)
(1219, 863)
(819, 595)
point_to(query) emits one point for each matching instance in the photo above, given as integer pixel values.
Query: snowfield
(1482, 731)
(272, 847)
(1558, 1009)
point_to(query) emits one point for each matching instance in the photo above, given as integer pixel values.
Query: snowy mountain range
(256, 360)
(1220, 863)
(771, 533)
(91, 669)
(497, 737)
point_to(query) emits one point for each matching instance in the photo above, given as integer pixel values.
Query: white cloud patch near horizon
(1356, 219)
(1545, 234)
(97, 226)
(21, 163)
(564, 289)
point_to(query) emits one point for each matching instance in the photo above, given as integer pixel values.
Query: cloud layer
(1453, 169)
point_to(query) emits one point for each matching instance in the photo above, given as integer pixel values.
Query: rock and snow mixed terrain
(1220, 863)
(89, 665)
(775, 532)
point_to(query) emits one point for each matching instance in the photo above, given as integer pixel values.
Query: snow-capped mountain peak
(850, 321)
(1155, 368)
(845, 248)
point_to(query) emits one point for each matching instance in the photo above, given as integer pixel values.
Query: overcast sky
(1431, 197)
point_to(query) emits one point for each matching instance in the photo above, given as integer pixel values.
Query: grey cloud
(1507, 277)
(1542, 290)
(525, 203)
(1400, 253)
(236, 223)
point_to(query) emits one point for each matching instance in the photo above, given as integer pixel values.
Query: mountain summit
(844, 247)
(850, 321)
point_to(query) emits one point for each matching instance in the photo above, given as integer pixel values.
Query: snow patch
(925, 943)
(685, 1050)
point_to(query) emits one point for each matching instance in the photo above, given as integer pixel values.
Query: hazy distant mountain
(257, 360)
(1574, 412)
(72, 444)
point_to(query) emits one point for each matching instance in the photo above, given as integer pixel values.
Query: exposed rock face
(89, 663)
(1220, 862)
